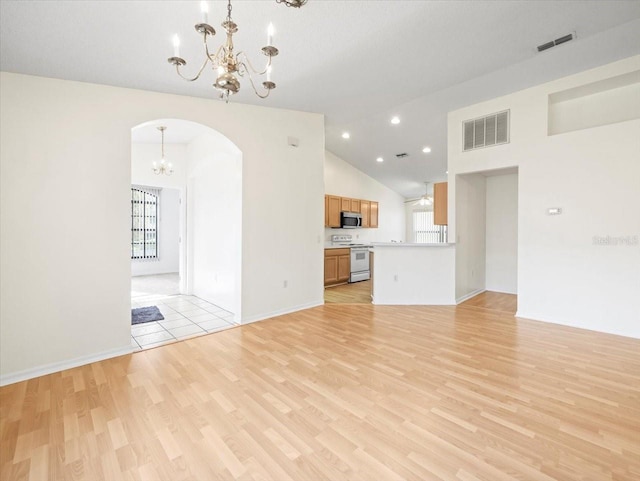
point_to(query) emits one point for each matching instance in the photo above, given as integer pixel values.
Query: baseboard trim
(470, 295)
(574, 325)
(281, 312)
(62, 365)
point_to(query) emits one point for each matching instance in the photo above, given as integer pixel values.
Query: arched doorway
(193, 274)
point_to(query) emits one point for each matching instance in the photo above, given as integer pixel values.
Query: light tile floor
(184, 317)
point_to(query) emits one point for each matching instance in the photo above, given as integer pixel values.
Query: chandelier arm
(204, 64)
(215, 58)
(253, 85)
(253, 69)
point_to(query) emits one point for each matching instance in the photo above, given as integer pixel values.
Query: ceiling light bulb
(346, 135)
(447, 172)
(379, 159)
(395, 120)
(426, 150)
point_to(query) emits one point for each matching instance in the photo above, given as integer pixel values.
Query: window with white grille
(486, 131)
(425, 231)
(144, 222)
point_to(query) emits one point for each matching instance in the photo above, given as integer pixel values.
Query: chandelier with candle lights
(162, 167)
(227, 64)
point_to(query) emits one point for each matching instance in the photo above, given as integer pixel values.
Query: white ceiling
(357, 62)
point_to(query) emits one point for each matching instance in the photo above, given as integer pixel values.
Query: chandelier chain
(162, 132)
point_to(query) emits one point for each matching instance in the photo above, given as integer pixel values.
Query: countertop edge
(406, 244)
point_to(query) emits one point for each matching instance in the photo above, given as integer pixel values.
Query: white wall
(502, 233)
(344, 180)
(214, 210)
(57, 138)
(593, 175)
(414, 274)
(470, 235)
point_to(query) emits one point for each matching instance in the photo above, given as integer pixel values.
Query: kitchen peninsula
(413, 274)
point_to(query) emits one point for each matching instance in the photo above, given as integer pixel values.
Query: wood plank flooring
(341, 392)
(355, 293)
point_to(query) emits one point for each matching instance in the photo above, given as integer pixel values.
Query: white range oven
(359, 264)
(359, 257)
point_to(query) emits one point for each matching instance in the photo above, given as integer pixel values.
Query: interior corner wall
(60, 207)
(502, 233)
(214, 224)
(579, 268)
(470, 237)
(344, 180)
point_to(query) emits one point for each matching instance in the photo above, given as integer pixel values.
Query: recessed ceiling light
(379, 159)
(346, 135)
(447, 172)
(395, 120)
(426, 150)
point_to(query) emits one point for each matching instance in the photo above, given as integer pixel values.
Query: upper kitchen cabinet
(333, 206)
(350, 205)
(365, 208)
(440, 199)
(373, 214)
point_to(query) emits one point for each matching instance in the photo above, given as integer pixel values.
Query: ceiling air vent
(402, 155)
(557, 41)
(486, 131)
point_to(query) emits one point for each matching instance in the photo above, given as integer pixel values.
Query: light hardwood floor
(356, 293)
(341, 392)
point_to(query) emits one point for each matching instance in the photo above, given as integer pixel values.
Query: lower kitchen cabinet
(337, 266)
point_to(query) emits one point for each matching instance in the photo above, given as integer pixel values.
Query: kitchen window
(144, 222)
(425, 231)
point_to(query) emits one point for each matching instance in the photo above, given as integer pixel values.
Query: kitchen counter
(338, 246)
(413, 274)
(412, 244)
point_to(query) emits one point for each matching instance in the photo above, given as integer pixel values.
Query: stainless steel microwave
(350, 220)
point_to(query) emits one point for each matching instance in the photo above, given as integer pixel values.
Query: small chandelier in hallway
(162, 167)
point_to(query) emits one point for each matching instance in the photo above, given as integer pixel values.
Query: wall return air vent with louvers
(486, 131)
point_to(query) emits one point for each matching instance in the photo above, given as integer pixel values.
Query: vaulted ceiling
(357, 62)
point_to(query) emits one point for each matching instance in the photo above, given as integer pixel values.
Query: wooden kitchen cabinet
(365, 207)
(333, 205)
(440, 200)
(373, 214)
(337, 266)
(326, 210)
